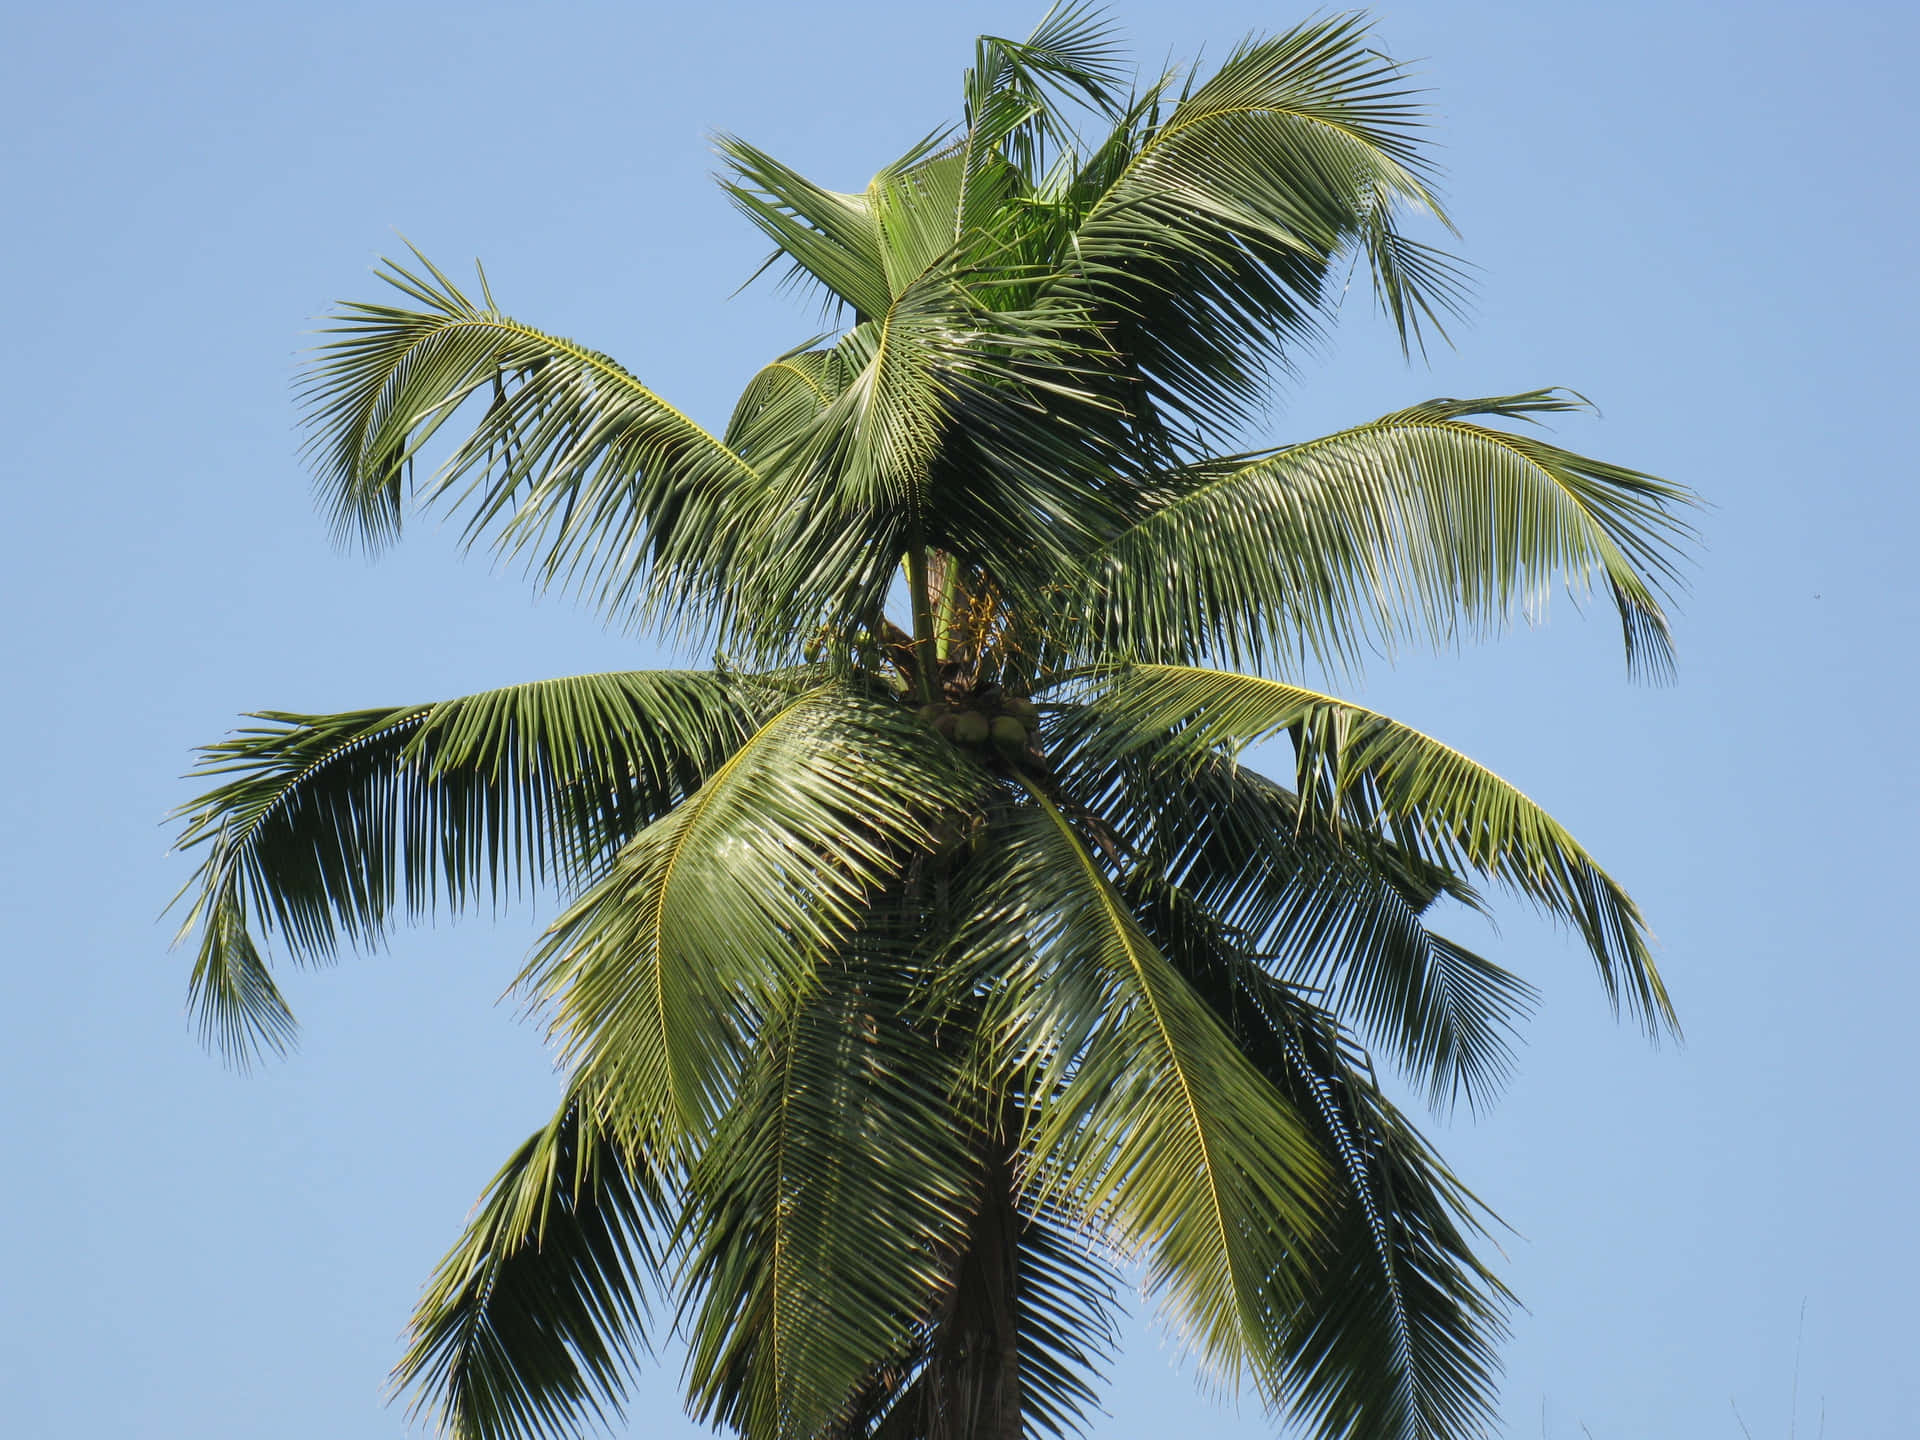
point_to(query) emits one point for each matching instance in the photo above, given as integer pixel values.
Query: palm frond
(659, 975)
(831, 238)
(939, 424)
(528, 1323)
(1361, 773)
(572, 463)
(1396, 1337)
(1420, 526)
(1067, 1304)
(827, 1206)
(1144, 1118)
(1211, 243)
(1014, 92)
(329, 823)
(1336, 912)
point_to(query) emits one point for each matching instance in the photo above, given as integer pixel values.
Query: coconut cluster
(1003, 724)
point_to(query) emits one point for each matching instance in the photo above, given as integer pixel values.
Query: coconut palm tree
(933, 956)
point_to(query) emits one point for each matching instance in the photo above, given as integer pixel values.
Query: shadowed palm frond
(933, 426)
(525, 1329)
(1339, 913)
(1396, 1340)
(328, 823)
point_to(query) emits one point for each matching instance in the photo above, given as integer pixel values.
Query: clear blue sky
(1702, 215)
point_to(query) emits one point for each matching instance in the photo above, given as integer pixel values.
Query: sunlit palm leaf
(1363, 771)
(828, 1205)
(1146, 1119)
(659, 975)
(1211, 245)
(571, 461)
(1420, 526)
(1396, 1339)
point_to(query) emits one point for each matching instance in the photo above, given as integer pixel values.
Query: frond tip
(1363, 771)
(524, 1330)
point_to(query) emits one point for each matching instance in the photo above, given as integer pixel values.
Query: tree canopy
(935, 954)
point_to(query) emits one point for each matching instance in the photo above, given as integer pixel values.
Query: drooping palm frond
(1065, 1308)
(1421, 526)
(826, 1211)
(1218, 219)
(1396, 1339)
(572, 463)
(1340, 913)
(1061, 1319)
(1361, 772)
(1144, 1119)
(328, 823)
(526, 1327)
(658, 977)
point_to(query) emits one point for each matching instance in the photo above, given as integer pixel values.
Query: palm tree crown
(919, 971)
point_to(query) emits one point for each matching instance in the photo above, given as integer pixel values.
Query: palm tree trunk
(975, 1367)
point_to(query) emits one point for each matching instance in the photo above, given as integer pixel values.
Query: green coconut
(971, 728)
(1021, 709)
(930, 714)
(1008, 733)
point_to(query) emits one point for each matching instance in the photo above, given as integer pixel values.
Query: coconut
(946, 722)
(1009, 734)
(1021, 709)
(971, 728)
(930, 714)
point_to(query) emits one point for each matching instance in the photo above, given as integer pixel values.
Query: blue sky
(1700, 215)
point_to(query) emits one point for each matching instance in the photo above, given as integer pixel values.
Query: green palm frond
(831, 238)
(1146, 1121)
(572, 463)
(1396, 1340)
(659, 975)
(1340, 913)
(1067, 1305)
(1361, 773)
(864, 250)
(828, 1205)
(526, 1327)
(1014, 89)
(782, 403)
(932, 426)
(1062, 1318)
(1210, 243)
(1421, 526)
(328, 823)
